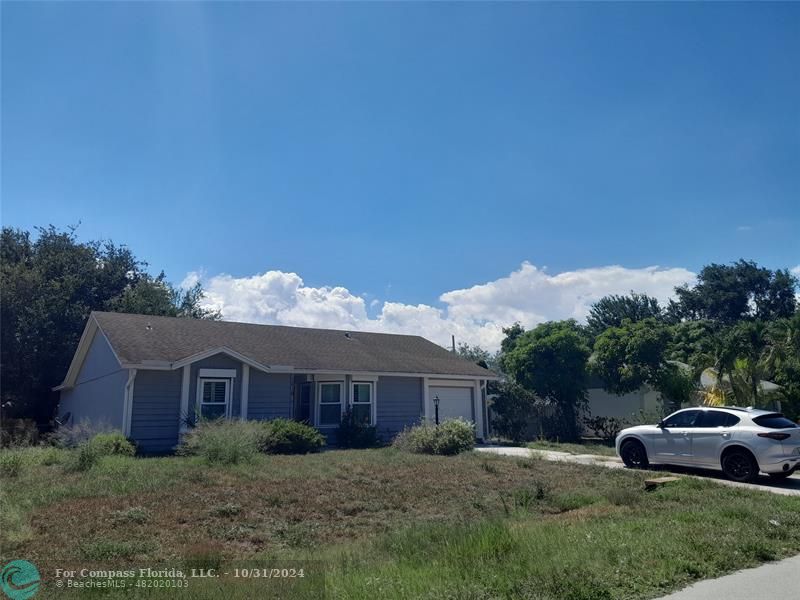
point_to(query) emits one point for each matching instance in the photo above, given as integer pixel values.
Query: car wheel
(634, 455)
(739, 465)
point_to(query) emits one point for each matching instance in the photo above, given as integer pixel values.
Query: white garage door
(454, 402)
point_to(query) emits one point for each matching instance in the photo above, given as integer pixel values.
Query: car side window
(716, 418)
(685, 418)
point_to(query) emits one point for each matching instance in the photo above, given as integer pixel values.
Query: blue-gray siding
(99, 391)
(270, 395)
(399, 404)
(155, 415)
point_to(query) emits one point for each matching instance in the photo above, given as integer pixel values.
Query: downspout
(128, 403)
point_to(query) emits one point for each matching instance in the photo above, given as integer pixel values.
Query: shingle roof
(137, 339)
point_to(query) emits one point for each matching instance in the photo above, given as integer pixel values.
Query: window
(684, 418)
(215, 398)
(717, 418)
(330, 404)
(362, 403)
(774, 421)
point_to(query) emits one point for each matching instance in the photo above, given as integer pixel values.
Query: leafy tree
(550, 361)
(611, 311)
(479, 356)
(512, 410)
(50, 285)
(635, 354)
(741, 291)
(631, 355)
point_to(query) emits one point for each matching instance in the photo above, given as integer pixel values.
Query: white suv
(738, 441)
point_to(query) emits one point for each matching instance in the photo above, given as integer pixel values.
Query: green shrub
(10, 464)
(354, 434)
(83, 459)
(284, 436)
(451, 437)
(223, 441)
(109, 444)
(72, 436)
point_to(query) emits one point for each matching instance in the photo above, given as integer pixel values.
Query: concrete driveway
(788, 487)
(773, 580)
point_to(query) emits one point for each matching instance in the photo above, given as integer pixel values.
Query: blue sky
(405, 150)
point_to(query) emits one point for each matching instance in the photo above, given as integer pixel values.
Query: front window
(684, 418)
(363, 403)
(215, 398)
(330, 404)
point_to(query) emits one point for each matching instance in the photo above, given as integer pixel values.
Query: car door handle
(685, 433)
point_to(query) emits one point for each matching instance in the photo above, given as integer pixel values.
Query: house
(601, 403)
(152, 377)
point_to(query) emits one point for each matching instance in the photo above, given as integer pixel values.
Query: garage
(454, 402)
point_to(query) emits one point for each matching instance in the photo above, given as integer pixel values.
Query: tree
(50, 285)
(611, 311)
(550, 361)
(512, 410)
(478, 355)
(730, 293)
(631, 355)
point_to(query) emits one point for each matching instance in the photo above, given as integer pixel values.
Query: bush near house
(223, 441)
(451, 437)
(355, 434)
(284, 436)
(114, 443)
(232, 442)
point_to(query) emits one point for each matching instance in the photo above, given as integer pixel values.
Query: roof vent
(148, 327)
(347, 335)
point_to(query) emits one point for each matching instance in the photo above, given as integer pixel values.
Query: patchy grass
(583, 448)
(389, 524)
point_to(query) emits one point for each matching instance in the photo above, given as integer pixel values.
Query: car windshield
(774, 421)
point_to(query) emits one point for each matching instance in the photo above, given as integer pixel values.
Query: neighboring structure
(152, 377)
(627, 406)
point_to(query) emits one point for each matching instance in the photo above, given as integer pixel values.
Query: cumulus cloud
(475, 315)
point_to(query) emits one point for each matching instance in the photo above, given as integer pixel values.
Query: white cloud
(796, 271)
(475, 315)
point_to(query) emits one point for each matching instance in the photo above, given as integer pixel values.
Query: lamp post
(436, 408)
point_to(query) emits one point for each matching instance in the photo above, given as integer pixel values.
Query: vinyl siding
(270, 395)
(99, 392)
(399, 404)
(155, 415)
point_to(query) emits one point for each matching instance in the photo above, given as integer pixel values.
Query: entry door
(305, 401)
(454, 402)
(673, 442)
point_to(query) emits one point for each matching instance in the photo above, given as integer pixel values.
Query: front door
(304, 413)
(673, 443)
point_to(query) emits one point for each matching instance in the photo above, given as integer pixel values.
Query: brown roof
(137, 339)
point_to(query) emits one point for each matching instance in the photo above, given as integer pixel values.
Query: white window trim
(318, 402)
(373, 413)
(228, 394)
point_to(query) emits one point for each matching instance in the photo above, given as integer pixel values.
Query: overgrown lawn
(387, 524)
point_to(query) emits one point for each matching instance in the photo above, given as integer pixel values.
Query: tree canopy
(611, 311)
(51, 282)
(550, 361)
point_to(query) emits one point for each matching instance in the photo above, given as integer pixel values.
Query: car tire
(739, 465)
(634, 455)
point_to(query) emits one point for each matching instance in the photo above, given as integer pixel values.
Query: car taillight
(776, 436)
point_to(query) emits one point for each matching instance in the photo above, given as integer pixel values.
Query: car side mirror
(661, 425)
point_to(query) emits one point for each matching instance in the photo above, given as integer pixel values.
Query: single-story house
(152, 377)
